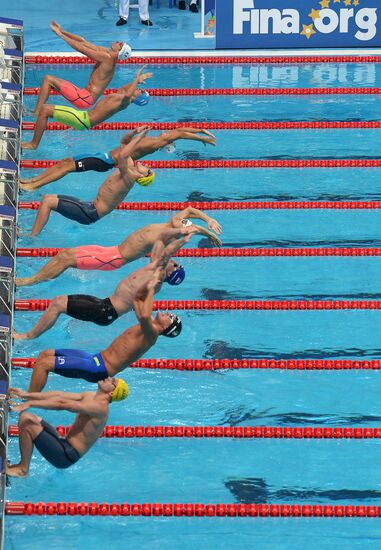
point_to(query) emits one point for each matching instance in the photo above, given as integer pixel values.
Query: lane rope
(217, 364)
(238, 163)
(235, 205)
(191, 509)
(208, 59)
(232, 305)
(235, 432)
(176, 92)
(328, 252)
(248, 125)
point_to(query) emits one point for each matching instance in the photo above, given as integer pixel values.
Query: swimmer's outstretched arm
(191, 134)
(162, 254)
(143, 305)
(202, 231)
(195, 213)
(61, 403)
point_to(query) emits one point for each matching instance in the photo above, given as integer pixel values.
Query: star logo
(308, 30)
(356, 2)
(347, 2)
(324, 3)
(315, 14)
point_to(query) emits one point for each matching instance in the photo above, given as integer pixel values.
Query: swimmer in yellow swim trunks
(84, 120)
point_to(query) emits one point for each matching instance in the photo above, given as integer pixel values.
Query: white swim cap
(186, 223)
(124, 52)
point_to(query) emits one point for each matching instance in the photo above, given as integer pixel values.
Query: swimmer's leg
(53, 173)
(48, 203)
(44, 364)
(49, 83)
(41, 123)
(29, 428)
(57, 265)
(49, 318)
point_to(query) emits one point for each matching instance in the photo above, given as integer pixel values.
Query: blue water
(225, 471)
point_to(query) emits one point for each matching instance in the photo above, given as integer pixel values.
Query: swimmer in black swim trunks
(105, 311)
(92, 410)
(132, 344)
(110, 194)
(102, 162)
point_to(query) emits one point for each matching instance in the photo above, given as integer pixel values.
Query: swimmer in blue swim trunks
(110, 194)
(102, 162)
(92, 410)
(132, 344)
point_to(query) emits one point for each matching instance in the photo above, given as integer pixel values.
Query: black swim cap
(174, 328)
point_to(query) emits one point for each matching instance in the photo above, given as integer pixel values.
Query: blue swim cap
(176, 277)
(142, 99)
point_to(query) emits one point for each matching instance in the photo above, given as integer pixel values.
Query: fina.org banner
(298, 23)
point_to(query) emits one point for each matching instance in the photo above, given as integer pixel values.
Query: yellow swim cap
(120, 392)
(146, 180)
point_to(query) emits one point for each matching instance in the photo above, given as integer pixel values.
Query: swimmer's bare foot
(20, 335)
(24, 281)
(28, 145)
(27, 186)
(16, 470)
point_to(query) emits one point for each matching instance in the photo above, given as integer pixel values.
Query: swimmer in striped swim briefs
(102, 73)
(137, 245)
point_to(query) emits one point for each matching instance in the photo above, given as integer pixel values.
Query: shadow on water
(257, 491)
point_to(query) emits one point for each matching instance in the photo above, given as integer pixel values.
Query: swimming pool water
(225, 470)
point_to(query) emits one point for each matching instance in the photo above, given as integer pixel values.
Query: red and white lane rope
(236, 205)
(217, 364)
(191, 510)
(235, 432)
(238, 163)
(328, 252)
(249, 125)
(176, 92)
(203, 59)
(233, 305)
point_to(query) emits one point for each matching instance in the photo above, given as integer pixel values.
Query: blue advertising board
(298, 24)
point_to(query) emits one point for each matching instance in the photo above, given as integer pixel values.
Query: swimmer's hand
(21, 407)
(142, 77)
(203, 131)
(55, 27)
(17, 392)
(213, 225)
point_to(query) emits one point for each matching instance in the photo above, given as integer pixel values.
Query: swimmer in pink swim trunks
(104, 311)
(137, 245)
(84, 120)
(110, 194)
(102, 74)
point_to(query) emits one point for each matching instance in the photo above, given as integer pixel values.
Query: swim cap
(124, 52)
(176, 277)
(145, 181)
(142, 99)
(120, 392)
(174, 328)
(186, 223)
